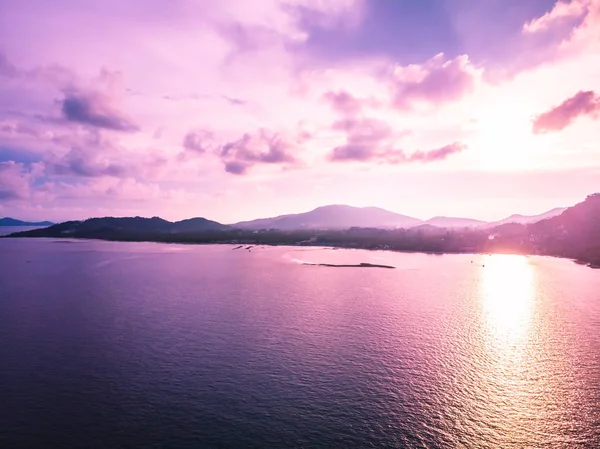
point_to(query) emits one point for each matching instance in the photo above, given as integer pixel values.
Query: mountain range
(572, 233)
(343, 217)
(7, 221)
(335, 216)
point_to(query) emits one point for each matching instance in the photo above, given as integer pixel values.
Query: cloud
(326, 14)
(362, 153)
(568, 31)
(54, 75)
(281, 24)
(16, 128)
(93, 155)
(15, 179)
(198, 141)
(435, 82)
(582, 103)
(234, 101)
(7, 69)
(286, 79)
(77, 162)
(259, 148)
(563, 15)
(438, 154)
(95, 109)
(110, 189)
(344, 102)
(364, 137)
(372, 140)
(250, 38)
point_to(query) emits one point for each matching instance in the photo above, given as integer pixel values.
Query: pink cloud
(77, 162)
(96, 110)
(54, 74)
(438, 154)
(346, 104)
(107, 161)
(250, 38)
(361, 153)
(372, 140)
(364, 139)
(174, 88)
(198, 141)
(107, 188)
(562, 15)
(7, 69)
(15, 180)
(343, 102)
(582, 103)
(262, 147)
(435, 82)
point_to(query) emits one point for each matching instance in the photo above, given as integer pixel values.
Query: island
(360, 265)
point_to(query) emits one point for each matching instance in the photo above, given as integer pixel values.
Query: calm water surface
(5, 230)
(107, 345)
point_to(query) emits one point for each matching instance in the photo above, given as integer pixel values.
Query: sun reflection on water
(508, 292)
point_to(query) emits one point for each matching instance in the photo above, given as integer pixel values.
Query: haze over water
(152, 345)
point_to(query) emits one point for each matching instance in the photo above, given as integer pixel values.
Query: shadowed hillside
(7, 221)
(127, 228)
(575, 234)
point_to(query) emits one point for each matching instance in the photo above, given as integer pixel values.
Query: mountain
(426, 227)
(344, 217)
(528, 219)
(326, 217)
(334, 217)
(7, 221)
(197, 224)
(575, 233)
(451, 222)
(126, 227)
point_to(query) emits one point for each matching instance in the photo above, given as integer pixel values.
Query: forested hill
(574, 234)
(124, 228)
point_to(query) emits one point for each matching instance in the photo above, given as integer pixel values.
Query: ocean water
(6, 230)
(110, 345)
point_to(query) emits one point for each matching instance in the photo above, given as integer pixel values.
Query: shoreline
(588, 264)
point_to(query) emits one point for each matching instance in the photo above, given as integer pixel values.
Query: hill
(334, 217)
(125, 228)
(452, 222)
(7, 221)
(344, 217)
(528, 219)
(575, 233)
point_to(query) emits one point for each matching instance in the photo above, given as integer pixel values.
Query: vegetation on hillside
(574, 234)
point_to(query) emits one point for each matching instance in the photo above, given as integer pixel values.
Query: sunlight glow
(507, 282)
(504, 136)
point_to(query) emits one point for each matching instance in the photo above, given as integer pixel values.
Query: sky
(234, 110)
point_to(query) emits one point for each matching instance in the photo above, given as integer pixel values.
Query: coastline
(577, 261)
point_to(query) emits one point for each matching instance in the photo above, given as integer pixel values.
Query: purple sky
(234, 109)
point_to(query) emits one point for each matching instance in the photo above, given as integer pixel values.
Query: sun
(503, 136)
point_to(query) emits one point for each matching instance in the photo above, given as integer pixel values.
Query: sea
(6, 230)
(147, 345)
